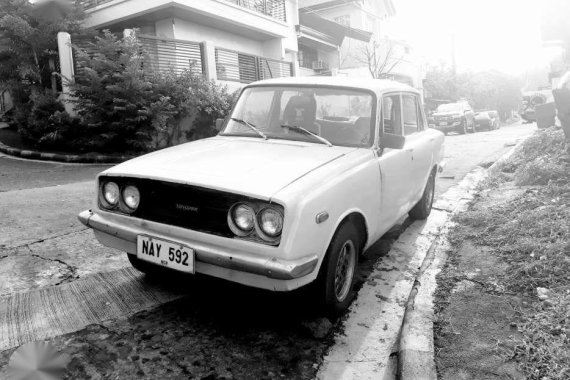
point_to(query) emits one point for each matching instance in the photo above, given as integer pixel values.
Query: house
(371, 16)
(320, 41)
(366, 15)
(232, 41)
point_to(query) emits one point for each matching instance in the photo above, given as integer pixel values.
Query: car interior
(301, 110)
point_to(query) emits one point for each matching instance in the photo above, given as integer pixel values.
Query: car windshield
(320, 115)
(451, 107)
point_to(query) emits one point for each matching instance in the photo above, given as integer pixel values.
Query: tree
(484, 90)
(381, 57)
(31, 31)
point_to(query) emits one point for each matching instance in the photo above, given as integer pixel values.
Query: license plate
(165, 253)
(443, 123)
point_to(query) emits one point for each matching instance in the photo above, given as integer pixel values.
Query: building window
(343, 20)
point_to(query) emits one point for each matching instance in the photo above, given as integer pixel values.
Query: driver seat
(301, 111)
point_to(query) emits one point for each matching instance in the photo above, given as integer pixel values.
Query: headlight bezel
(103, 198)
(121, 206)
(124, 198)
(257, 233)
(237, 230)
(265, 234)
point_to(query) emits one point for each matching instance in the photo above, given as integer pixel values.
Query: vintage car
(305, 174)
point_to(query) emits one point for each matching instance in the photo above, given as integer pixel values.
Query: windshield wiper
(307, 132)
(251, 126)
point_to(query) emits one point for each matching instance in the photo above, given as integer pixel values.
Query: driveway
(57, 283)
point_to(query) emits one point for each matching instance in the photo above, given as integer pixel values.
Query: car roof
(379, 86)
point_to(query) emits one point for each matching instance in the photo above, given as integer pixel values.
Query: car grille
(192, 207)
(443, 118)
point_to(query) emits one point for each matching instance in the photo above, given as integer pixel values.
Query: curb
(416, 347)
(69, 158)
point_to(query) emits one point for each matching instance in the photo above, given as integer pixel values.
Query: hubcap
(344, 270)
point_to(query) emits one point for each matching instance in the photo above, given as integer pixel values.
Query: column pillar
(209, 60)
(66, 69)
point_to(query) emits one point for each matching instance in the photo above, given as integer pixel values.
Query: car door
(394, 164)
(419, 144)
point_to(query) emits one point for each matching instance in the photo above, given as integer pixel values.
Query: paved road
(464, 152)
(55, 279)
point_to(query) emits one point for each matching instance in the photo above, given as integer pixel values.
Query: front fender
(339, 192)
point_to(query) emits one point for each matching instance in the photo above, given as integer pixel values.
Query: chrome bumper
(270, 267)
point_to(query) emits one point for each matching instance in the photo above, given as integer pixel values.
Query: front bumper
(483, 123)
(122, 236)
(449, 127)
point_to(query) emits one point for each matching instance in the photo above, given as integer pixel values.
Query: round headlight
(111, 193)
(270, 222)
(131, 197)
(243, 217)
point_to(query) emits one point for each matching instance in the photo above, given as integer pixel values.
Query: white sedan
(305, 174)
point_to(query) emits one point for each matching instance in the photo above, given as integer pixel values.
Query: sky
(489, 34)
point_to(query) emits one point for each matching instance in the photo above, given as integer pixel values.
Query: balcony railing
(271, 8)
(92, 3)
(245, 68)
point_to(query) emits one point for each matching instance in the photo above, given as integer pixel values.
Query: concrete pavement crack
(48, 238)
(72, 275)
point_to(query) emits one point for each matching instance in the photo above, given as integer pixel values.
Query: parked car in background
(487, 119)
(454, 117)
(305, 175)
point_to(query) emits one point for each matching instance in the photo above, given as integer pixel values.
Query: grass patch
(530, 232)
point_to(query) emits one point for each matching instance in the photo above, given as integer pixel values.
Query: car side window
(421, 118)
(410, 114)
(391, 114)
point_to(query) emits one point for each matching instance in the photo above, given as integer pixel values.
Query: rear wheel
(338, 271)
(423, 208)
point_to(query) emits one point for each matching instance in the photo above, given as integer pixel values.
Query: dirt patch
(503, 297)
(474, 335)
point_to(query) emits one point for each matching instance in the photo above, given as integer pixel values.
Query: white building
(232, 41)
(370, 16)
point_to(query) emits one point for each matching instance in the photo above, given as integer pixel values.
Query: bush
(126, 106)
(47, 125)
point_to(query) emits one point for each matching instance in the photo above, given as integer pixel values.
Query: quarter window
(392, 115)
(410, 115)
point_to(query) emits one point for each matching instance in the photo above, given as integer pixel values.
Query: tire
(335, 283)
(422, 209)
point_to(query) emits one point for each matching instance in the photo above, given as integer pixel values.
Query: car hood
(482, 116)
(252, 167)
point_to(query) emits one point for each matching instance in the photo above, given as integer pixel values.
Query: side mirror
(220, 124)
(388, 140)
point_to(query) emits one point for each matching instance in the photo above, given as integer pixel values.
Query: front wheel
(423, 208)
(336, 277)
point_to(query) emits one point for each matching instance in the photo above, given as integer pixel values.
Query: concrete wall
(185, 30)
